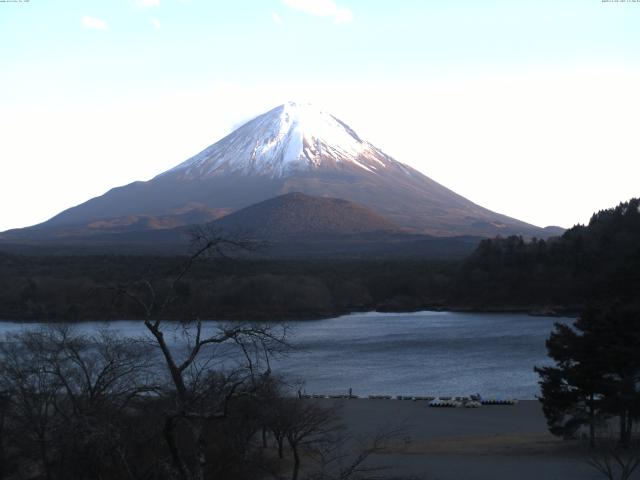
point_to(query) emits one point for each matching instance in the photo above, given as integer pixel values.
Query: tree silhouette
(596, 373)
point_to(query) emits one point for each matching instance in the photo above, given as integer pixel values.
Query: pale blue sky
(475, 94)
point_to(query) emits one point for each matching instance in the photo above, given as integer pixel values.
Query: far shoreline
(544, 312)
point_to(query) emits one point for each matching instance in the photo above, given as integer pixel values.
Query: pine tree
(596, 373)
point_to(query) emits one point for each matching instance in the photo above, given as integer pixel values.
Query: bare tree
(67, 395)
(92, 371)
(4, 414)
(103, 377)
(613, 461)
(31, 392)
(198, 397)
(347, 458)
(305, 425)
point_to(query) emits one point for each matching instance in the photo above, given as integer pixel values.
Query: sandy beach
(490, 442)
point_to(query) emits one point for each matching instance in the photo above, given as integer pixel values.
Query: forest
(598, 262)
(594, 263)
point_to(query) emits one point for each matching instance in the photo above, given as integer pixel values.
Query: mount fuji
(295, 147)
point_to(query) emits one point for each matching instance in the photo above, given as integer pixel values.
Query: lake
(421, 353)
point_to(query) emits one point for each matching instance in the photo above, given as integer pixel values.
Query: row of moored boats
(474, 401)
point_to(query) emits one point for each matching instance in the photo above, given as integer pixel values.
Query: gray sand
(490, 442)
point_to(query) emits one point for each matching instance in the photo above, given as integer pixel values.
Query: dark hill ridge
(296, 214)
(293, 226)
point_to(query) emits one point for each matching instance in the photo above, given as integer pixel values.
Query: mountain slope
(297, 148)
(293, 226)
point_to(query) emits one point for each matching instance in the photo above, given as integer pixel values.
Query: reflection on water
(422, 353)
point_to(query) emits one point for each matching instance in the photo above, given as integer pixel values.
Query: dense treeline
(597, 262)
(84, 287)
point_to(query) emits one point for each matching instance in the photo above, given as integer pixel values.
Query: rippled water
(422, 353)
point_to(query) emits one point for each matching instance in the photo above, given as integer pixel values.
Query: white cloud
(343, 15)
(276, 18)
(156, 23)
(322, 8)
(93, 23)
(148, 3)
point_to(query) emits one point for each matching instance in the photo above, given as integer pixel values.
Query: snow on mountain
(290, 138)
(296, 147)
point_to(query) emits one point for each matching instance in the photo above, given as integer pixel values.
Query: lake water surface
(421, 353)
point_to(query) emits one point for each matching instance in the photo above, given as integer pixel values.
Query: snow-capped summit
(293, 137)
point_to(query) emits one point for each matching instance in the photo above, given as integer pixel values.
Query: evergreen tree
(596, 373)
